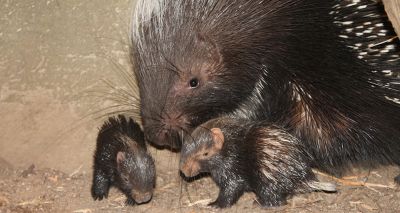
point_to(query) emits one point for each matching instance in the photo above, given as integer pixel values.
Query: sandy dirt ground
(56, 59)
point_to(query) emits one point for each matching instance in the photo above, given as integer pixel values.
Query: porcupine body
(121, 160)
(324, 70)
(246, 156)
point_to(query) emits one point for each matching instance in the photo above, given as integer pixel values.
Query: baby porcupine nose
(189, 167)
(142, 197)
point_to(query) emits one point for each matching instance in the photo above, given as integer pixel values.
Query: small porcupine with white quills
(249, 157)
(325, 71)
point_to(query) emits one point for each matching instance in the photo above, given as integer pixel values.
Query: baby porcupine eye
(205, 154)
(194, 82)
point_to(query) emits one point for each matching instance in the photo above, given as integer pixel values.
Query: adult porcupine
(324, 70)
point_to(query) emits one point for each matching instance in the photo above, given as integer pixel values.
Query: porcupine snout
(167, 131)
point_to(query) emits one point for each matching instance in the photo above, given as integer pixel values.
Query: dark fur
(248, 150)
(133, 172)
(310, 79)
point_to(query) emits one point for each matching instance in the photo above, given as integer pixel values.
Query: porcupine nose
(189, 167)
(142, 197)
(167, 132)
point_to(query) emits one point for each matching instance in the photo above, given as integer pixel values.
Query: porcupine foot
(228, 196)
(129, 201)
(267, 198)
(100, 186)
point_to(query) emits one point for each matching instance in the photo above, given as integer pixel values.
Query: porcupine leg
(229, 194)
(101, 185)
(269, 198)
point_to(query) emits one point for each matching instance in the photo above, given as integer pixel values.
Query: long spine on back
(318, 76)
(350, 118)
(114, 136)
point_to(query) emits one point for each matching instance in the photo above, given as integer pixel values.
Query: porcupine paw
(397, 179)
(100, 189)
(129, 201)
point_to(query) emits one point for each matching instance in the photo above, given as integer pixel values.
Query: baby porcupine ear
(120, 159)
(218, 138)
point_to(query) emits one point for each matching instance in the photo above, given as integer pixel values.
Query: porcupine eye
(205, 154)
(194, 82)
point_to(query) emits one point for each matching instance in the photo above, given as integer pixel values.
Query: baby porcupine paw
(100, 190)
(130, 202)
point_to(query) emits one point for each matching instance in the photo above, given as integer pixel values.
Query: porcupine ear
(212, 49)
(121, 156)
(218, 138)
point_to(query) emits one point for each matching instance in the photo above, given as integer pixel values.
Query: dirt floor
(34, 189)
(56, 58)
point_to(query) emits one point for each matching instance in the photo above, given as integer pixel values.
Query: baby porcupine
(243, 156)
(121, 160)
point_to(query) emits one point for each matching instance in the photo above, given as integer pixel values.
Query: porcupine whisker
(122, 94)
(123, 102)
(117, 102)
(126, 77)
(119, 89)
(120, 99)
(104, 112)
(112, 95)
(115, 97)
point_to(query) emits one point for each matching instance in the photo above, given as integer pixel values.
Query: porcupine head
(136, 173)
(200, 152)
(188, 70)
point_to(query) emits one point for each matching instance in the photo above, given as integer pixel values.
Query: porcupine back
(367, 30)
(293, 62)
(367, 127)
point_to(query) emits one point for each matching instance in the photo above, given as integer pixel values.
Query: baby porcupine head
(136, 172)
(199, 149)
